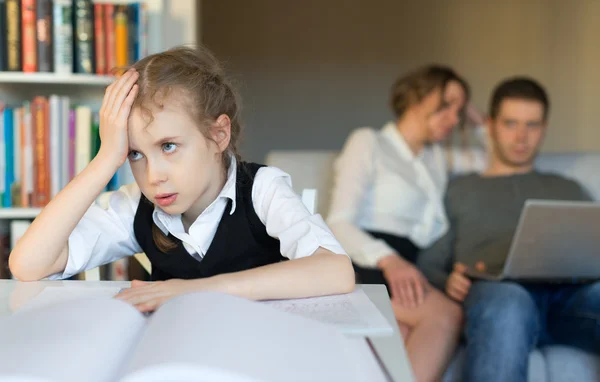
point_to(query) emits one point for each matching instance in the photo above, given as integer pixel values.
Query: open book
(202, 336)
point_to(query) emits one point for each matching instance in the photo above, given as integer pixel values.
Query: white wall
(312, 70)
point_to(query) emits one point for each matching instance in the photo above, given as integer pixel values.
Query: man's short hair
(519, 88)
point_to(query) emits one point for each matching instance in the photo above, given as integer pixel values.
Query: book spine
(54, 145)
(16, 189)
(2, 157)
(95, 135)
(109, 29)
(121, 35)
(4, 248)
(28, 36)
(72, 137)
(13, 35)
(83, 137)
(143, 30)
(9, 175)
(3, 36)
(64, 146)
(100, 38)
(132, 33)
(27, 157)
(63, 36)
(84, 36)
(48, 178)
(44, 35)
(41, 194)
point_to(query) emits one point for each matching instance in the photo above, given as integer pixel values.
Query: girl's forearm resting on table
(322, 273)
(42, 250)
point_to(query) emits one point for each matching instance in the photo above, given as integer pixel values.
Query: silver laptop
(554, 241)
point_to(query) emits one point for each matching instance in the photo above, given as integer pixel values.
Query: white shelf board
(19, 213)
(54, 78)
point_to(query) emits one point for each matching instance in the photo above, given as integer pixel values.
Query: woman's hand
(148, 296)
(114, 113)
(408, 285)
(474, 117)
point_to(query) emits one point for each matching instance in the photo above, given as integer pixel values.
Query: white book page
(353, 313)
(81, 340)
(215, 337)
(59, 294)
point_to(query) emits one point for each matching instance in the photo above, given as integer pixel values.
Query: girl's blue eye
(169, 147)
(135, 155)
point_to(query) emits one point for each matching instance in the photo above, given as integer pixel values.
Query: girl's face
(176, 167)
(447, 116)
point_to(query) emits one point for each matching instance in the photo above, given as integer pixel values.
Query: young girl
(206, 220)
(387, 204)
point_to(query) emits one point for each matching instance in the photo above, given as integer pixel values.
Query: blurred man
(505, 320)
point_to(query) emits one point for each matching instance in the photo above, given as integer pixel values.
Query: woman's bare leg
(435, 328)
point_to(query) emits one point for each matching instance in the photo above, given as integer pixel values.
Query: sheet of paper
(353, 313)
(58, 294)
(207, 337)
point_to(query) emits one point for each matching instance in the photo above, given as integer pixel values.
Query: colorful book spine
(54, 107)
(100, 38)
(83, 137)
(44, 36)
(132, 33)
(109, 28)
(4, 248)
(13, 35)
(121, 35)
(83, 36)
(63, 36)
(16, 186)
(72, 137)
(41, 193)
(26, 156)
(95, 134)
(9, 174)
(142, 31)
(3, 36)
(28, 36)
(2, 156)
(64, 144)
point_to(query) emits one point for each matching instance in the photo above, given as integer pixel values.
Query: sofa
(313, 170)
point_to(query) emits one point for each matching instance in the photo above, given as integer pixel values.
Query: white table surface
(14, 294)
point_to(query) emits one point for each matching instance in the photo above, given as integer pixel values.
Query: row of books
(71, 36)
(44, 144)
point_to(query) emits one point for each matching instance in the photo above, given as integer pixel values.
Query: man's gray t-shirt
(483, 214)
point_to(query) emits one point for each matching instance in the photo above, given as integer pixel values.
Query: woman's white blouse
(380, 185)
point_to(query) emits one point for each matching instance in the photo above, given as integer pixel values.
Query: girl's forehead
(158, 123)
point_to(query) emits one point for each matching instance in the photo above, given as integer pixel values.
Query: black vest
(241, 241)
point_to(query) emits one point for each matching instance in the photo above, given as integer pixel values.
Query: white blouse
(105, 233)
(380, 185)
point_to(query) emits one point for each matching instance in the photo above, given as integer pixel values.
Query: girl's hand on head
(114, 113)
(148, 296)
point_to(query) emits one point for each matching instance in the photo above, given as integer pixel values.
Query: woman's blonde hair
(412, 88)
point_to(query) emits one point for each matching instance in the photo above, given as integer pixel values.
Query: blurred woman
(387, 204)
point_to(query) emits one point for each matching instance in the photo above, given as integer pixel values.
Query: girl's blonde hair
(200, 83)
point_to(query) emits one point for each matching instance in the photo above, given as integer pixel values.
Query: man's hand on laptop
(407, 283)
(458, 285)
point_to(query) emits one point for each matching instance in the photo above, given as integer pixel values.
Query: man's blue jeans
(505, 321)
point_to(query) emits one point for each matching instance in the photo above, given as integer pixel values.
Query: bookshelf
(169, 23)
(37, 79)
(19, 213)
